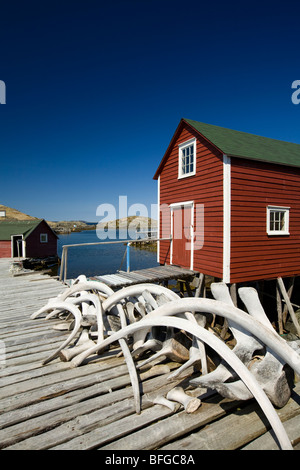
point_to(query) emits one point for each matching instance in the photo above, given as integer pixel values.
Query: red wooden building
(231, 203)
(27, 239)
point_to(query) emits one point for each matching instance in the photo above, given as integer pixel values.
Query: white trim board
(286, 211)
(192, 141)
(226, 217)
(12, 245)
(158, 219)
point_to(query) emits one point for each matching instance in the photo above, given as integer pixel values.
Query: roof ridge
(250, 146)
(238, 131)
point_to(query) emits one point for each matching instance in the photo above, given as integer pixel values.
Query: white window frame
(286, 212)
(43, 235)
(181, 147)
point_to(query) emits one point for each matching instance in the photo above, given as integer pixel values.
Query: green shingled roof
(17, 227)
(242, 144)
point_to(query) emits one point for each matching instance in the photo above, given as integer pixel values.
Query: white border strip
(226, 217)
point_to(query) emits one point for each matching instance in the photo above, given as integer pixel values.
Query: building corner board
(226, 217)
(158, 219)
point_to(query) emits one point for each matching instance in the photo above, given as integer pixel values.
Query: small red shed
(230, 201)
(27, 239)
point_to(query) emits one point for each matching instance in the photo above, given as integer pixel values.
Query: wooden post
(198, 283)
(65, 267)
(188, 289)
(233, 293)
(289, 305)
(289, 292)
(62, 263)
(201, 285)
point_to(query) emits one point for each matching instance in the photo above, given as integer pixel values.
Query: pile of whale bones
(152, 319)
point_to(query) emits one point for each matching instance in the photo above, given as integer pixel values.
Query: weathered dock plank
(54, 406)
(246, 423)
(267, 441)
(155, 274)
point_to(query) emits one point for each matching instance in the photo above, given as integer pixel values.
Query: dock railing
(128, 243)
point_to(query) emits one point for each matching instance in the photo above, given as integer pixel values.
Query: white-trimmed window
(187, 159)
(278, 220)
(44, 237)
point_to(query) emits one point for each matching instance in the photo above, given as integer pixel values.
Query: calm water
(101, 259)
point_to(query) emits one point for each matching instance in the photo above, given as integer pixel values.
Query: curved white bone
(197, 350)
(63, 326)
(244, 348)
(130, 312)
(206, 305)
(77, 315)
(100, 287)
(190, 404)
(238, 316)
(82, 344)
(85, 298)
(151, 344)
(86, 286)
(80, 278)
(129, 362)
(196, 356)
(80, 298)
(150, 299)
(220, 292)
(135, 290)
(172, 349)
(79, 286)
(139, 290)
(269, 372)
(140, 308)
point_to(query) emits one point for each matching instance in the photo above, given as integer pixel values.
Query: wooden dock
(155, 274)
(54, 406)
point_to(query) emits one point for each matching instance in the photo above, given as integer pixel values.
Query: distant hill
(67, 226)
(59, 227)
(11, 213)
(142, 223)
(132, 222)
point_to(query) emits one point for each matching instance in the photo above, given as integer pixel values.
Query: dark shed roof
(18, 227)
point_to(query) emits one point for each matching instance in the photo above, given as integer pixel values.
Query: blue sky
(95, 91)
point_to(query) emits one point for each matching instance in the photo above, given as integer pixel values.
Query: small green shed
(27, 239)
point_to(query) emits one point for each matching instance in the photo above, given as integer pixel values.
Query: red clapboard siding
(255, 254)
(5, 249)
(206, 187)
(254, 185)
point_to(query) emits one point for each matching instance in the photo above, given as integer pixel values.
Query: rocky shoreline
(140, 223)
(63, 227)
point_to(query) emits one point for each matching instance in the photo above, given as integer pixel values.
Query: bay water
(101, 259)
